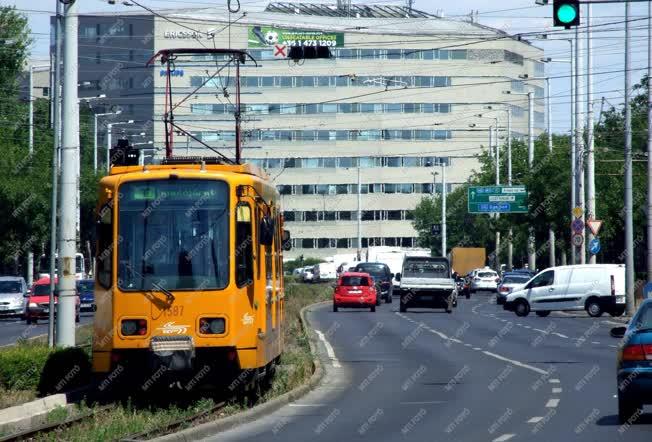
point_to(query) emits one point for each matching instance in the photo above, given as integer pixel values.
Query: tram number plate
(176, 310)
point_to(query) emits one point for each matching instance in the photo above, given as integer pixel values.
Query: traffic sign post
(497, 199)
(594, 246)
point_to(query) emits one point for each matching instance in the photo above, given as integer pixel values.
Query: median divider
(211, 428)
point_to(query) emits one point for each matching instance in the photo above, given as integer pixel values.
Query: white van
(596, 288)
(324, 271)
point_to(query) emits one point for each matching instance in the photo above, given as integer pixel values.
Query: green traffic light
(566, 13)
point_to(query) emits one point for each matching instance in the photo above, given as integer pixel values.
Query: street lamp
(118, 112)
(530, 160)
(109, 127)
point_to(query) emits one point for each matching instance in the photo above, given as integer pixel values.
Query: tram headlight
(133, 327)
(212, 326)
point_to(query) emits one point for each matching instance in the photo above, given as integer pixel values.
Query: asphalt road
(478, 374)
(12, 329)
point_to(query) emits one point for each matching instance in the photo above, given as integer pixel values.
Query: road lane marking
(534, 420)
(541, 331)
(556, 390)
(422, 402)
(329, 349)
(307, 405)
(613, 346)
(527, 326)
(517, 363)
(595, 343)
(477, 348)
(504, 437)
(552, 403)
(560, 335)
(554, 381)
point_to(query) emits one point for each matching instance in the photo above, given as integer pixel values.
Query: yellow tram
(189, 273)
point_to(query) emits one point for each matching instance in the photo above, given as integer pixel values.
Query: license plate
(86, 305)
(46, 310)
(4, 307)
(355, 292)
(426, 298)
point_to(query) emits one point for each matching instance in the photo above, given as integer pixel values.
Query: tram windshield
(173, 234)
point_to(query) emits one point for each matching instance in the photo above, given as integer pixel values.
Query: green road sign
(497, 199)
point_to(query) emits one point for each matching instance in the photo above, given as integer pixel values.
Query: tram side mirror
(266, 231)
(287, 240)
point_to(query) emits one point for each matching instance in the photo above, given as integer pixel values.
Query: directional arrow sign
(501, 199)
(594, 225)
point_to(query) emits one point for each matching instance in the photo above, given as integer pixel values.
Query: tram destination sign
(497, 199)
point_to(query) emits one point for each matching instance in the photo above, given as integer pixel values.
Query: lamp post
(118, 112)
(109, 127)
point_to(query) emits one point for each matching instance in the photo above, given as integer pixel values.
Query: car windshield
(515, 280)
(175, 235)
(42, 289)
(487, 274)
(355, 280)
(85, 286)
(373, 270)
(10, 287)
(426, 268)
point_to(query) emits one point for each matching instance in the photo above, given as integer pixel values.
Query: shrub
(21, 365)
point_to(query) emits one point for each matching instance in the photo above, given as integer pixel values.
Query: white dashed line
(534, 420)
(504, 437)
(552, 403)
(306, 405)
(595, 343)
(557, 390)
(560, 335)
(329, 349)
(423, 403)
(540, 331)
(477, 348)
(527, 326)
(517, 363)
(613, 346)
(554, 381)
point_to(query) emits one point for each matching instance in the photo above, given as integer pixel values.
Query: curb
(211, 428)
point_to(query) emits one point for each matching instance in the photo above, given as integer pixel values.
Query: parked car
(510, 282)
(528, 272)
(307, 275)
(634, 370)
(324, 271)
(382, 276)
(484, 279)
(13, 296)
(85, 291)
(355, 290)
(38, 303)
(596, 288)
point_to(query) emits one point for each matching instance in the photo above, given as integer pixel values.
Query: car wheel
(334, 308)
(627, 410)
(29, 321)
(390, 298)
(402, 308)
(543, 313)
(373, 309)
(468, 296)
(522, 308)
(617, 313)
(593, 308)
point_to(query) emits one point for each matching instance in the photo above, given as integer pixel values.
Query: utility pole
(590, 159)
(359, 216)
(56, 107)
(118, 112)
(629, 223)
(30, 97)
(443, 209)
(531, 258)
(579, 138)
(497, 233)
(649, 142)
(66, 310)
(551, 232)
(510, 249)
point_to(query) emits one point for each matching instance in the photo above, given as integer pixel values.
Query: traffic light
(566, 13)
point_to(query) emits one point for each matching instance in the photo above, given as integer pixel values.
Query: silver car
(510, 282)
(484, 279)
(13, 296)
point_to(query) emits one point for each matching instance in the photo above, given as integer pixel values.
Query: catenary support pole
(649, 142)
(359, 216)
(510, 233)
(629, 223)
(56, 106)
(590, 158)
(443, 208)
(551, 232)
(573, 256)
(531, 254)
(66, 307)
(579, 137)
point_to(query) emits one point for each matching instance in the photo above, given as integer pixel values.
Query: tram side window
(244, 246)
(104, 246)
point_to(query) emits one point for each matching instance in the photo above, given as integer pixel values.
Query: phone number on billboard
(331, 43)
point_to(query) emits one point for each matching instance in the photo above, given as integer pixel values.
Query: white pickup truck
(426, 282)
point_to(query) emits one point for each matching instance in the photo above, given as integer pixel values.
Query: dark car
(85, 291)
(383, 277)
(634, 371)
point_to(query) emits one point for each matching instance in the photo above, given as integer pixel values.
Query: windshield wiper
(168, 294)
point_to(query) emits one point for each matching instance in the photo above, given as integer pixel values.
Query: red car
(355, 289)
(38, 303)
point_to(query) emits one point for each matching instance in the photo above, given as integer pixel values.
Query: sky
(511, 16)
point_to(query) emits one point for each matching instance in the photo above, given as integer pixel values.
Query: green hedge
(31, 366)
